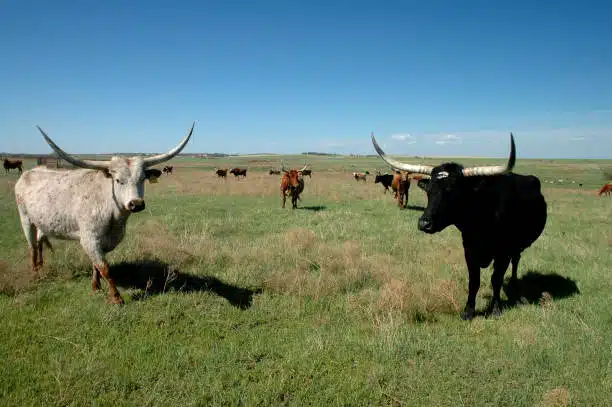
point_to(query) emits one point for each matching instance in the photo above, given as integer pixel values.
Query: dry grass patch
(557, 397)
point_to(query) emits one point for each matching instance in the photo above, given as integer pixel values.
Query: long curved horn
(304, 167)
(93, 165)
(160, 158)
(418, 168)
(497, 169)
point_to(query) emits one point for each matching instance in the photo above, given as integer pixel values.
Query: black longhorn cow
(498, 213)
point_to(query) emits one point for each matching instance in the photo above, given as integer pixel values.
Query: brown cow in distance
(307, 172)
(606, 189)
(168, 169)
(221, 173)
(292, 183)
(10, 164)
(238, 172)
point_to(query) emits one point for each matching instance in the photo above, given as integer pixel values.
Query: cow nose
(136, 205)
(425, 224)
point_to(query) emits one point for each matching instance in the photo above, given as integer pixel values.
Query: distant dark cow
(292, 183)
(606, 189)
(221, 173)
(238, 172)
(360, 176)
(10, 164)
(384, 179)
(274, 172)
(307, 172)
(498, 213)
(168, 169)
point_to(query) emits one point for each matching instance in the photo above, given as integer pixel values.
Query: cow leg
(101, 265)
(473, 285)
(40, 241)
(95, 279)
(29, 230)
(104, 270)
(284, 198)
(500, 265)
(515, 263)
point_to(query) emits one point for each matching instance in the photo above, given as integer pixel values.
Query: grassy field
(231, 300)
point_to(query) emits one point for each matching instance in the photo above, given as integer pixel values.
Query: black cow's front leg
(497, 279)
(473, 286)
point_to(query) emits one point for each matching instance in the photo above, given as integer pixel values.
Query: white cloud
(577, 138)
(404, 137)
(448, 139)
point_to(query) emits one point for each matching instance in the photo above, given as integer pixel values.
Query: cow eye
(120, 182)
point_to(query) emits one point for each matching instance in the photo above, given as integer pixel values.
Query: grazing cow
(606, 189)
(238, 172)
(384, 179)
(274, 172)
(221, 173)
(10, 164)
(498, 213)
(292, 183)
(91, 205)
(168, 169)
(360, 176)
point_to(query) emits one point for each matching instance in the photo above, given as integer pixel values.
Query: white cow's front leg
(100, 265)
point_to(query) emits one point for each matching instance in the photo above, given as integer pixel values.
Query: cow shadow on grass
(153, 277)
(315, 208)
(415, 207)
(534, 287)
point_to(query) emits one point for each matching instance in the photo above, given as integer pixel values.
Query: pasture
(231, 300)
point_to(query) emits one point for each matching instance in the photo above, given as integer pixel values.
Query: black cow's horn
(494, 170)
(418, 168)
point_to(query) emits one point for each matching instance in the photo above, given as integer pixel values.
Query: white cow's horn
(160, 158)
(91, 164)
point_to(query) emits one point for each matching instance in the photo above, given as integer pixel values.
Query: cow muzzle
(426, 225)
(136, 205)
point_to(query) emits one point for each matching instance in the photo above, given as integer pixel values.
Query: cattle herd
(498, 213)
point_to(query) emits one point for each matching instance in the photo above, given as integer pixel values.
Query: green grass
(343, 302)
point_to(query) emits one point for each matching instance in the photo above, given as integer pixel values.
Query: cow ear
(107, 173)
(424, 184)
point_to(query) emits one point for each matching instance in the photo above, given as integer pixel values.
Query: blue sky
(446, 78)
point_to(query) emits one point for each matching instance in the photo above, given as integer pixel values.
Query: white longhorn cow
(91, 205)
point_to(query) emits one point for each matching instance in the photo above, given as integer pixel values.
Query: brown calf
(10, 164)
(221, 173)
(168, 169)
(401, 186)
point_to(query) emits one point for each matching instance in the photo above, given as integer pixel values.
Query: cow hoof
(468, 314)
(117, 300)
(496, 311)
